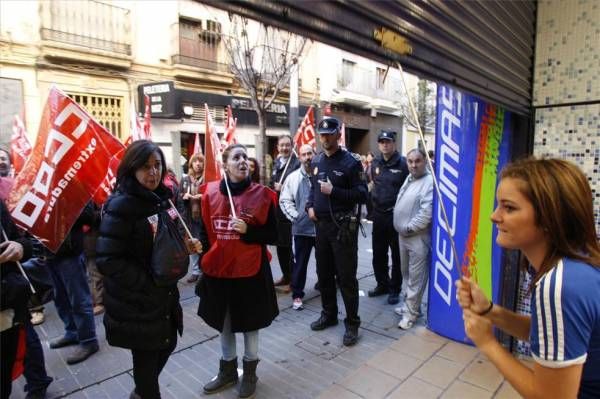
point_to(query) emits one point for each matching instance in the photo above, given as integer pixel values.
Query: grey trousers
(415, 252)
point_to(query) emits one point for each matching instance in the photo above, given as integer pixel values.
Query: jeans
(336, 257)
(228, 344)
(385, 238)
(147, 366)
(303, 246)
(36, 378)
(195, 263)
(72, 297)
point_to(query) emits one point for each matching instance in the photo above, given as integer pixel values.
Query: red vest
(228, 256)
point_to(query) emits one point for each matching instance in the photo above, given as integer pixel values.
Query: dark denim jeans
(35, 370)
(303, 246)
(72, 297)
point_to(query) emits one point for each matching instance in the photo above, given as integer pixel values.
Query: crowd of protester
(312, 201)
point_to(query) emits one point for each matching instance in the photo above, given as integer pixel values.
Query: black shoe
(82, 352)
(134, 395)
(322, 323)
(394, 298)
(350, 336)
(62, 342)
(378, 291)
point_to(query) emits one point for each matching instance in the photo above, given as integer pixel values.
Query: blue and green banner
(472, 146)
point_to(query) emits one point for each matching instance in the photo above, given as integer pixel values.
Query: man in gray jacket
(292, 203)
(412, 219)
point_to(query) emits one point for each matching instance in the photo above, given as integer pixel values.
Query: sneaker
(322, 323)
(378, 291)
(82, 352)
(400, 310)
(62, 342)
(37, 317)
(297, 305)
(98, 309)
(407, 322)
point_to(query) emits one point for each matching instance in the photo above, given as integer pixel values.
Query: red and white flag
(230, 125)
(20, 148)
(213, 151)
(68, 163)
(136, 129)
(197, 146)
(342, 140)
(147, 118)
(306, 132)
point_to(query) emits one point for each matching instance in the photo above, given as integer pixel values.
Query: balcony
(86, 31)
(365, 88)
(198, 53)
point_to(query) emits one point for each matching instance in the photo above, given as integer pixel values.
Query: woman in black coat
(236, 291)
(140, 315)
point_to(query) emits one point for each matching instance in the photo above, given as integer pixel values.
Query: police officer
(388, 172)
(338, 186)
(285, 163)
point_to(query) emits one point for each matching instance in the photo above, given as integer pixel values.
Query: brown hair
(562, 199)
(193, 158)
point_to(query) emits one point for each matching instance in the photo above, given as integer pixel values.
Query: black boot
(249, 379)
(227, 376)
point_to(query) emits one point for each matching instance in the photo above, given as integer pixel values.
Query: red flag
(212, 148)
(197, 147)
(68, 163)
(136, 130)
(20, 148)
(114, 147)
(342, 140)
(230, 124)
(306, 132)
(147, 118)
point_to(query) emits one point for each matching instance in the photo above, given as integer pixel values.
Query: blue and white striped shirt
(565, 321)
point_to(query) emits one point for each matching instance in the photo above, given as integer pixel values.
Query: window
(347, 72)
(107, 110)
(380, 76)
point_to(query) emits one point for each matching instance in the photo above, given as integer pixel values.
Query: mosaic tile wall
(567, 71)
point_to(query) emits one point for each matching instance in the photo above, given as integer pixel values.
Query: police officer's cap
(329, 126)
(386, 135)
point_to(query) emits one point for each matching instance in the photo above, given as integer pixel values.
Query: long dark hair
(255, 176)
(562, 199)
(135, 157)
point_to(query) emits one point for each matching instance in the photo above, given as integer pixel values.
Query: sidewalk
(296, 362)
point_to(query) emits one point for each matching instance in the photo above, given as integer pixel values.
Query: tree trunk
(261, 145)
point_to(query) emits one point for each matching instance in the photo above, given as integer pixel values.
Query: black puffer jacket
(139, 314)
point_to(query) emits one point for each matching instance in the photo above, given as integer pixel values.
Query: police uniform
(284, 226)
(387, 177)
(337, 231)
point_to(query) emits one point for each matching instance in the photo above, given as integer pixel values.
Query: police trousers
(337, 256)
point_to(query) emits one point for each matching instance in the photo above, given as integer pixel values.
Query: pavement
(296, 362)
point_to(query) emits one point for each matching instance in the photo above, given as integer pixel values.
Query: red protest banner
(68, 164)
(306, 132)
(230, 124)
(147, 118)
(20, 149)
(212, 149)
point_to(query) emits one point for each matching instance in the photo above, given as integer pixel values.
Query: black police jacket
(387, 176)
(348, 179)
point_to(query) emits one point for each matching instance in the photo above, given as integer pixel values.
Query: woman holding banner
(140, 314)
(545, 210)
(236, 291)
(191, 197)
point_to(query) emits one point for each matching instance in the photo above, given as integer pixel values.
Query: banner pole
(435, 180)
